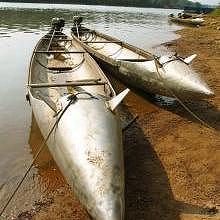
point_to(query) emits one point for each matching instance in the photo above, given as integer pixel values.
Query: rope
(74, 68)
(176, 57)
(157, 64)
(97, 48)
(118, 52)
(72, 100)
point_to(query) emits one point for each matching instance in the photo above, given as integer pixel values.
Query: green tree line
(138, 3)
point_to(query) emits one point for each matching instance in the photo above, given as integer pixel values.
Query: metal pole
(77, 30)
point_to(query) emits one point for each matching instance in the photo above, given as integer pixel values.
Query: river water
(21, 26)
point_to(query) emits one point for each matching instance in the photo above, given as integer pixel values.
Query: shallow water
(21, 26)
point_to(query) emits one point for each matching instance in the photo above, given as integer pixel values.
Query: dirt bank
(173, 169)
(172, 162)
(189, 152)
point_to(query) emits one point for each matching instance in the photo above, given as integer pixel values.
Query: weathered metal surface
(175, 75)
(166, 76)
(87, 143)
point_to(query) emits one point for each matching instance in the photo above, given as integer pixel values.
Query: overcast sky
(210, 2)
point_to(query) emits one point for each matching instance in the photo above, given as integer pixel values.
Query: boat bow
(69, 94)
(167, 76)
(90, 144)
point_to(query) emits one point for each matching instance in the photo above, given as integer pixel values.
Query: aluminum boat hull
(87, 142)
(168, 76)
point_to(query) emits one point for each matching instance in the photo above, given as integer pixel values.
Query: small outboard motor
(77, 20)
(76, 29)
(179, 15)
(57, 24)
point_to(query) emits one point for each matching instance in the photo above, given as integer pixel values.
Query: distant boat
(140, 69)
(187, 21)
(66, 84)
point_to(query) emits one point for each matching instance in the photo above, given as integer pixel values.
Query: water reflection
(125, 23)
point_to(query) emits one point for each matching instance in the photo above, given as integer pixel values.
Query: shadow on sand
(148, 191)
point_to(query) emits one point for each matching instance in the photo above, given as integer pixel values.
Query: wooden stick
(85, 80)
(46, 85)
(54, 40)
(58, 51)
(102, 42)
(134, 60)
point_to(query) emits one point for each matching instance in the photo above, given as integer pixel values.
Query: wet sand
(172, 166)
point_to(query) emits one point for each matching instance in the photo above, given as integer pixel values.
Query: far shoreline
(63, 3)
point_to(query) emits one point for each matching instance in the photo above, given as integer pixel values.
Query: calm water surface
(21, 26)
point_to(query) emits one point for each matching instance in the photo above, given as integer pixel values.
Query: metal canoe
(137, 68)
(187, 21)
(87, 143)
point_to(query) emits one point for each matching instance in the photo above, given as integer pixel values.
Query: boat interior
(60, 66)
(109, 46)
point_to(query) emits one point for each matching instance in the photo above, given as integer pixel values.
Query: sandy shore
(172, 162)
(188, 151)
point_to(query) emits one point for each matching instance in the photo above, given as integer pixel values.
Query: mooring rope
(72, 100)
(157, 64)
